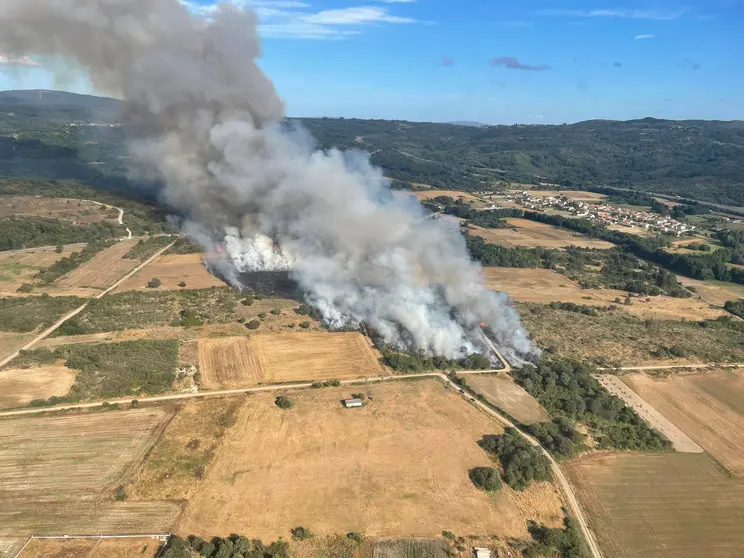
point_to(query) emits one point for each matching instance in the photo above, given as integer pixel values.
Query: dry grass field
(11, 342)
(475, 201)
(544, 286)
(143, 547)
(714, 292)
(501, 390)
(76, 211)
(104, 269)
(536, 285)
(396, 467)
(575, 195)
(172, 270)
(245, 361)
(20, 387)
(674, 505)
(17, 267)
(708, 407)
(638, 231)
(524, 233)
(58, 473)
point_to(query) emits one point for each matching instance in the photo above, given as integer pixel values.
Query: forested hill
(698, 159)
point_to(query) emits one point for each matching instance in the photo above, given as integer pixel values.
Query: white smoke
(207, 123)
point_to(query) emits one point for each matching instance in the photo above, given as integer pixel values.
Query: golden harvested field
(106, 267)
(536, 285)
(58, 473)
(708, 407)
(20, 387)
(144, 547)
(245, 361)
(475, 201)
(714, 292)
(501, 390)
(575, 195)
(172, 270)
(545, 286)
(671, 505)
(530, 234)
(638, 231)
(396, 467)
(11, 342)
(76, 211)
(17, 267)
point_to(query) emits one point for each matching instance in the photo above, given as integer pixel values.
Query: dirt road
(675, 367)
(681, 441)
(47, 332)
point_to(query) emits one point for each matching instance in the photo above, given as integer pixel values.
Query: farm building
(349, 403)
(481, 553)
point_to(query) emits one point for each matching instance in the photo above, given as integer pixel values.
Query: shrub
(121, 494)
(283, 402)
(301, 533)
(305, 325)
(59, 249)
(276, 311)
(485, 478)
(356, 537)
(154, 283)
(135, 404)
(253, 324)
(262, 315)
(522, 462)
(182, 284)
(26, 288)
(247, 301)
(241, 320)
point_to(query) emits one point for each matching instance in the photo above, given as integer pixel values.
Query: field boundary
(164, 537)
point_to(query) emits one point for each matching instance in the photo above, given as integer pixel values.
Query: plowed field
(245, 361)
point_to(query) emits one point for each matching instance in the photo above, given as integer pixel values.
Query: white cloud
(287, 18)
(18, 61)
(617, 13)
(642, 37)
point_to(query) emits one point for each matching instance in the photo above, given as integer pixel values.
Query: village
(604, 213)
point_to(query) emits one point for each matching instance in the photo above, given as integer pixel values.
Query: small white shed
(482, 553)
(349, 403)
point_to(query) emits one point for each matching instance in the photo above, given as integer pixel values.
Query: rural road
(47, 332)
(675, 366)
(561, 479)
(119, 220)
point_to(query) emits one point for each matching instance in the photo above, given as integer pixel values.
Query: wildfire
(483, 324)
(219, 248)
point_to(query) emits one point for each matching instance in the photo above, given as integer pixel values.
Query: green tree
(485, 478)
(154, 283)
(59, 249)
(283, 402)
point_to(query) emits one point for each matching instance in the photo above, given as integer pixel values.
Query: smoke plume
(209, 127)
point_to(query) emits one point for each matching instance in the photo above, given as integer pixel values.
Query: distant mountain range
(694, 158)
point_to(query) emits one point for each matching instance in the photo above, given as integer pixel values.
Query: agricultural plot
(17, 267)
(673, 505)
(524, 233)
(172, 270)
(714, 292)
(396, 467)
(78, 212)
(708, 407)
(11, 342)
(638, 231)
(245, 361)
(575, 195)
(501, 391)
(536, 285)
(20, 387)
(103, 270)
(58, 473)
(92, 548)
(475, 201)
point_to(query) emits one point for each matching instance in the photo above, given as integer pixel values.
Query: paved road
(47, 332)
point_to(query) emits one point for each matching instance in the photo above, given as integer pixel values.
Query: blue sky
(495, 61)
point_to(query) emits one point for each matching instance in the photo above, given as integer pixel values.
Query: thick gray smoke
(208, 127)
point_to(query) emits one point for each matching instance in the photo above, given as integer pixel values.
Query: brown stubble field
(106, 267)
(524, 233)
(11, 342)
(475, 201)
(171, 270)
(283, 357)
(58, 473)
(19, 387)
(670, 505)
(396, 467)
(708, 407)
(501, 391)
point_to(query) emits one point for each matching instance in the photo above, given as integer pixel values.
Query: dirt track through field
(681, 441)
